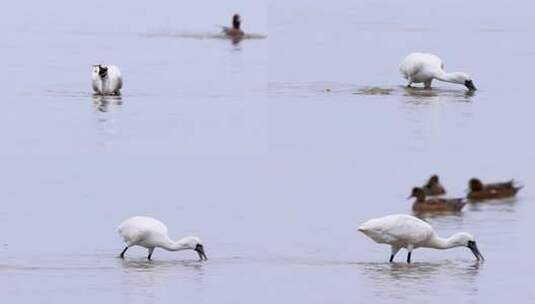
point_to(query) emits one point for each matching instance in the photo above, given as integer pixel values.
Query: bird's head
(464, 79)
(418, 193)
(464, 239)
(194, 243)
(475, 185)
(433, 180)
(100, 70)
(236, 21)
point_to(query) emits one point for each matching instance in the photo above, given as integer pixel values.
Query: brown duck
(480, 191)
(435, 204)
(433, 186)
(234, 32)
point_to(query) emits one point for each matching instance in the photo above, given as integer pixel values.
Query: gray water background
(272, 151)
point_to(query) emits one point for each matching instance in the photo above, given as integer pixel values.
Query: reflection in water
(422, 112)
(145, 279)
(147, 266)
(103, 103)
(503, 205)
(107, 126)
(198, 35)
(435, 214)
(395, 280)
(417, 95)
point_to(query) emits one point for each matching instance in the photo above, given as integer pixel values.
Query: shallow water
(272, 151)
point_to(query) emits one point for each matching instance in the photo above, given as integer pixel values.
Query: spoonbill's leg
(409, 248)
(151, 250)
(124, 251)
(427, 83)
(394, 250)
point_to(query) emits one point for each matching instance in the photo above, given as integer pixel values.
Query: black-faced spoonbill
(424, 67)
(150, 233)
(106, 80)
(405, 231)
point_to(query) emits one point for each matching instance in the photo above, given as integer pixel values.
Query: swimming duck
(424, 67)
(235, 31)
(433, 186)
(480, 191)
(107, 79)
(421, 204)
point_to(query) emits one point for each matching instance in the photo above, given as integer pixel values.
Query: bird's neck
(174, 245)
(236, 24)
(445, 76)
(442, 243)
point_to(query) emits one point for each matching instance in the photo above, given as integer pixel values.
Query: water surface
(272, 151)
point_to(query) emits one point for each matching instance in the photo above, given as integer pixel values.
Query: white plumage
(406, 231)
(150, 233)
(424, 67)
(107, 80)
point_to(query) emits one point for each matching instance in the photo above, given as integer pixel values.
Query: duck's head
(194, 243)
(475, 185)
(236, 21)
(464, 239)
(433, 180)
(418, 193)
(464, 79)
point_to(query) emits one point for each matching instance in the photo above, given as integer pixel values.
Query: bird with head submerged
(406, 231)
(434, 204)
(480, 191)
(151, 233)
(433, 186)
(235, 31)
(425, 67)
(106, 79)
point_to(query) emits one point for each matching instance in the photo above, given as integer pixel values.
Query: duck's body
(150, 233)
(107, 80)
(234, 32)
(433, 187)
(501, 185)
(438, 205)
(480, 191)
(425, 67)
(435, 204)
(405, 231)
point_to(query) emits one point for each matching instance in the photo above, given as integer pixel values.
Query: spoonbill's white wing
(138, 228)
(115, 78)
(398, 228)
(419, 63)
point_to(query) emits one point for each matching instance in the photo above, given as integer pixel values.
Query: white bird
(424, 67)
(150, 233)
(406, 231)
(106, 79)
